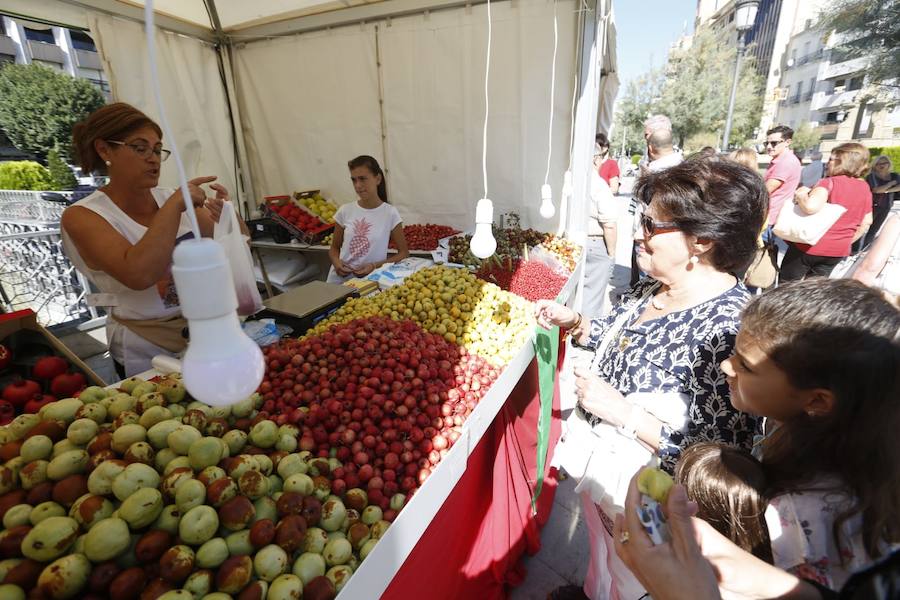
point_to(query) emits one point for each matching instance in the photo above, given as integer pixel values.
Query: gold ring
(623, 539)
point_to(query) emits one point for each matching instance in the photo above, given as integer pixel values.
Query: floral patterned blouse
(679, 352)
(800, 528)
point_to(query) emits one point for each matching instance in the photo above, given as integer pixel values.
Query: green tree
(634, 106)
(60, 174)
(39, 106)
(24, 175)
(868, 28)
(698, 84)
(806, 137)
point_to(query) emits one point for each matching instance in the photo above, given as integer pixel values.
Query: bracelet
(629, 428)
(577, 322)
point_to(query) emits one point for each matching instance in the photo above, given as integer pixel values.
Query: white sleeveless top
(159, 300)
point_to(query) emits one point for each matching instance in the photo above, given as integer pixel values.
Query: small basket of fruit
(293, 216)
(314, 202)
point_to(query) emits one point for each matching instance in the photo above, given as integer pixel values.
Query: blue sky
(645, 30)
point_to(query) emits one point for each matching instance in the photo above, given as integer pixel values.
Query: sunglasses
(773, 143)
(652, 227)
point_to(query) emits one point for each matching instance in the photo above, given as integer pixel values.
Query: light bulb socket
(484, 211)
(203, 279)
(546, 192)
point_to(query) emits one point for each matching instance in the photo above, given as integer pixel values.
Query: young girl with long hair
(820, 360)
(364, 228)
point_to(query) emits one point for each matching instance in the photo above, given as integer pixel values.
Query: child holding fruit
(820, 360)
(363, 229)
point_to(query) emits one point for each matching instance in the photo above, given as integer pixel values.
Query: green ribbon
(546, 350)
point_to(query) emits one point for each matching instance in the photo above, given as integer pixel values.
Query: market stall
(291, 124)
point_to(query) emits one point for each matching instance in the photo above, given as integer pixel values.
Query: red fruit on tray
(5, 357)
(34, 405)
(48, 367)
(19, 392)
(7, 412)
(66, 384)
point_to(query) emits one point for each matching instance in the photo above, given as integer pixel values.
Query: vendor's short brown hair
(111, 122)
(850, 159)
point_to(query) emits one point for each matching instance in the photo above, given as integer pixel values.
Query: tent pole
(223, 55)
(384, 152)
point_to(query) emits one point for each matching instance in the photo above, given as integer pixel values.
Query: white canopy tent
(276, 95)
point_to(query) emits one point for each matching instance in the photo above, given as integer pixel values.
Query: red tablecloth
(473, 545)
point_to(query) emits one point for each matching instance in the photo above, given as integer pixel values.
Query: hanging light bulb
(221, 365)
(547, 208)
(483, 243)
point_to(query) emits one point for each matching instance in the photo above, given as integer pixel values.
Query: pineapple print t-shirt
(367, 232)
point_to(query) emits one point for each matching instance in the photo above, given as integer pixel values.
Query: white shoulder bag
(794, 225)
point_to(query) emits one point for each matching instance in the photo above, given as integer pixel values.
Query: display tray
(301, 235)
(375, 574)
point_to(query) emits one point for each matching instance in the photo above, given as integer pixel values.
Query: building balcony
(828, 131)
(88, 59)
(808, 96)
(795, 99)
(835, 101)
(7, 45)
(847, 67)
(46, 52)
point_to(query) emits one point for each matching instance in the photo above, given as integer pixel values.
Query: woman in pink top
(843, 185)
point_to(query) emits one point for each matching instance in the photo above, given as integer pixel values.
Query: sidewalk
(565, 551)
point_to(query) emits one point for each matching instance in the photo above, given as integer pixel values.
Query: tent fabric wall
(309, 104)
(432, 76)
(191, 88)
(433, 72)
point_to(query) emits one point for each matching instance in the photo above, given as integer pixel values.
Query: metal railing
(34, 271)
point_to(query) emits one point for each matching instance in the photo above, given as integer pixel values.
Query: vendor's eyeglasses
(652, 227)
(143, 150)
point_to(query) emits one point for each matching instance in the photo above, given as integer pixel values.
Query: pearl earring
(695, 259)
(108, 164)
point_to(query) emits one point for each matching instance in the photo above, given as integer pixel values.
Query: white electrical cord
(164, 121)
(487, 74)
(552, 94)
(572, 116)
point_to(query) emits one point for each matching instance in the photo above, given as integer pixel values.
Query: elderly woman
(655, 385)
(122, 236)
(885, 184)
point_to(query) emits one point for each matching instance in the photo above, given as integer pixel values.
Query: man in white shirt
(598, 260)
(661, 155)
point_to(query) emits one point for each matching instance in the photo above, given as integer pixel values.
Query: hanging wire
(487, 75)
(164, 121)
(552, 94)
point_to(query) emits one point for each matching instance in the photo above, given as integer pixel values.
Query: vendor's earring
(108, 163)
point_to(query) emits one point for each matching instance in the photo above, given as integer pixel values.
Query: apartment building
(820, 86)
(71, 51)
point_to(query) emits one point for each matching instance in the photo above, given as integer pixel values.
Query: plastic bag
(265, 331)
(545, 256)
(228, 233)
(391, 274)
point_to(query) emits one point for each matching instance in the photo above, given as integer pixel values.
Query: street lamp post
(745, 15)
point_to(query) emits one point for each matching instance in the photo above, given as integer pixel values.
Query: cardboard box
(24, 336)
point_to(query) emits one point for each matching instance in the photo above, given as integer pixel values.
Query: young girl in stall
(364, 228)
(820, 360)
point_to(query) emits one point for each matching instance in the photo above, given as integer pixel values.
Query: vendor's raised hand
(549, 314)
(216, 204)
(198, 195)
(599, 398)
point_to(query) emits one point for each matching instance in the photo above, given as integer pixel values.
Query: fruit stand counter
(463, 532)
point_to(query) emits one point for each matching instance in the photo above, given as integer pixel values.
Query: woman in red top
(609, 168)
(843, 185)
